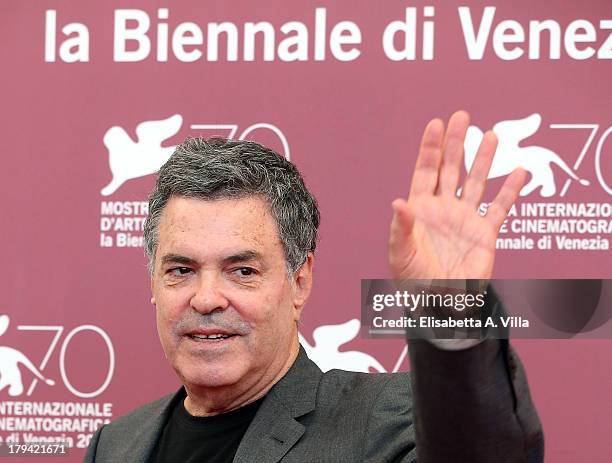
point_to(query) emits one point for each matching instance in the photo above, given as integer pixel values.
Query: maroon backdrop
(346, 101)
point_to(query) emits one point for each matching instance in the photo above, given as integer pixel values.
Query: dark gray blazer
(464, 406)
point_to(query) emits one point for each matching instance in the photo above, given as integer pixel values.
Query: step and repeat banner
(95, 95)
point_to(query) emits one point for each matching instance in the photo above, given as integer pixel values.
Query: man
(230, 238)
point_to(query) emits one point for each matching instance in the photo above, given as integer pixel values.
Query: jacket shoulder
(359, 379)
(365, 387)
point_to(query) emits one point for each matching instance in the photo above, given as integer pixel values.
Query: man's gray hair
(218, 168)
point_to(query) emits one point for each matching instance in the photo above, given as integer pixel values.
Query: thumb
(403, 217)
(401, 239)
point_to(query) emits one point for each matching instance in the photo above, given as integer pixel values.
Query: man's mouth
(210, 337)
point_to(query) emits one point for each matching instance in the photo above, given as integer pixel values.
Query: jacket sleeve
(473, 405)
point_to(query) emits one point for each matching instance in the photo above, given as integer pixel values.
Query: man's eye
(244, 271)
(180, 271)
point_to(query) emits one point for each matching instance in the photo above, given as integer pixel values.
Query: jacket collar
(274, 429)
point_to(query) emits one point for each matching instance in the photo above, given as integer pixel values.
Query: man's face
(226, 308)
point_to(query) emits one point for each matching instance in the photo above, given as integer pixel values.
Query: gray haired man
(230, 237)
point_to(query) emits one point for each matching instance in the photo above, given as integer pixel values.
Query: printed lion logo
(129, 159)
(10, 358)
(326, 354)
(535, 159)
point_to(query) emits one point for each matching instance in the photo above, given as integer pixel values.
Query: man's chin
(194, 376)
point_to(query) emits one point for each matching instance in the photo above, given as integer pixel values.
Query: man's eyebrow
(177, 259)
(242, 257)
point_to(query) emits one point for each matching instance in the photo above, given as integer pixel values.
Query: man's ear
(302, 284)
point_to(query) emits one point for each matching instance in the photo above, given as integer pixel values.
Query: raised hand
(436, 235)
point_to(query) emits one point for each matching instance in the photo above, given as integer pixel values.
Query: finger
(476, 181)
(453, 153)
(425, 177)
(509, 192)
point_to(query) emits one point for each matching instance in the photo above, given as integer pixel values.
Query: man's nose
(208, 295)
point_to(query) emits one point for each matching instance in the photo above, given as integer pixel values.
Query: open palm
(435, 234)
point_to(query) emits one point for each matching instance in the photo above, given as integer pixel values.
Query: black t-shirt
(210, 439)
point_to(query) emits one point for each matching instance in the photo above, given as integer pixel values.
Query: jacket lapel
(274, 429)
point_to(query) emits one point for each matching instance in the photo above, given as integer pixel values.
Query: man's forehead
(181, 202)
(245, 222)
(251, 210)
